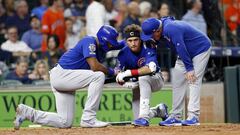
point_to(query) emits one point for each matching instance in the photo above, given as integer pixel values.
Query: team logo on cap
(131, 33)
(92, 49)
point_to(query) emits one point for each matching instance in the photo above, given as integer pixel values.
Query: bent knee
(100, 75)
(144, 78)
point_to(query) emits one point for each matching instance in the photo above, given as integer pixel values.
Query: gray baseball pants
(180, 85)
(64, 83)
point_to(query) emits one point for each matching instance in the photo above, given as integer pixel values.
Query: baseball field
(204, 129)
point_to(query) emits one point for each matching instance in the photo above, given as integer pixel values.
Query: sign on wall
(115, 105)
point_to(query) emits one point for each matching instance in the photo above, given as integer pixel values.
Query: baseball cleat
(191, 122)
(161, 111)
(171, 121)
(140, 122)
(93, 124)
(20, 117)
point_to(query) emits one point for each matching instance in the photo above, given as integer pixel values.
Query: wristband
(110, 72)
(134, 72)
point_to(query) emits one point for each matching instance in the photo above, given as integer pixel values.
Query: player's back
(195, 41)
(75, 58)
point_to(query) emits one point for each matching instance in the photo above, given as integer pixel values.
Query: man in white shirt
(95, 17)
(13, 45)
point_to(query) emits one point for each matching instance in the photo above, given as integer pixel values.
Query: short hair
(132, 27)
(190, 4)
(68, 19)
(22, 59)
(12, 27)
(17, 2)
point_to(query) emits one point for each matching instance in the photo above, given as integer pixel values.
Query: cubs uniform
(147, 83)
(193, 49)
(71, 73)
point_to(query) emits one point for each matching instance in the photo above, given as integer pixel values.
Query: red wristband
(134, 72)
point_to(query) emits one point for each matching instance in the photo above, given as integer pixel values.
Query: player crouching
(139, 60)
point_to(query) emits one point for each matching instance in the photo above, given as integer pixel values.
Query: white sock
(144, 108)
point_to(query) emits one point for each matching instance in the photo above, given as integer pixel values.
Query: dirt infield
(204, 129)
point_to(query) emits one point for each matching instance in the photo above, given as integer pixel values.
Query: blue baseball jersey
(187, 40)
(76, 57)
(130, 60)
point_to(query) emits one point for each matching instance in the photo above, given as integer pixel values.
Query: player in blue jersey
(77, 68)
(193, 49)
(138, 59)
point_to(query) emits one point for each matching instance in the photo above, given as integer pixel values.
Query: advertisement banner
(115, 105)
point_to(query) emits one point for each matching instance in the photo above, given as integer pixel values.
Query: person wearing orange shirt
(53, 23)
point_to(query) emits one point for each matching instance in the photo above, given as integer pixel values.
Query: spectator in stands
(39, 11)
(54, 52)
(21, 18)
(33, 37)
(154, 13)
(40, 71)
(20, 72)
(53, 23)
(111, 13)
(164, 9)
(95, 17)
(3, 70)
(145, 9)
(79, 10)
(133, 15)
(77, 13)
(232, 16)
(121, 8)
(68, 3)
(71, 37)
(194, 16)
(13, 45)
(9, 6)
(3, 18)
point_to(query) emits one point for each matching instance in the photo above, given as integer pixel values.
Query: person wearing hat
(193, 49)
(139, 61)
(77, 68)
(33, 37)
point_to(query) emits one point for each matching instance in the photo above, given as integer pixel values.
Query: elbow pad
(152, 66)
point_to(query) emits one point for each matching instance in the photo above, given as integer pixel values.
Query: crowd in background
(35, 33)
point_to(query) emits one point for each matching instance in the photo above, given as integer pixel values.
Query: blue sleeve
(122, 44)
(89, 48)
(121, 61)
(151, 56)
(26, 38)
(177, 37)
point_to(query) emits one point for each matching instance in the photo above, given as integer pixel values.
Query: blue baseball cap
(149, 26)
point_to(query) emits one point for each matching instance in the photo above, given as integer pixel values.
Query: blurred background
(35, 33)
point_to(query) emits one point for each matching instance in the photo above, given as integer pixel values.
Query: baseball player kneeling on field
(77, 68)
(138, 59)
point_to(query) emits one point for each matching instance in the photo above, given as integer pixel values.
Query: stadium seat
(11, 83)
(41, 83)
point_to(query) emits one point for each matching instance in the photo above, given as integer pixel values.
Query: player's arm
(96, 66)
(178, 41)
